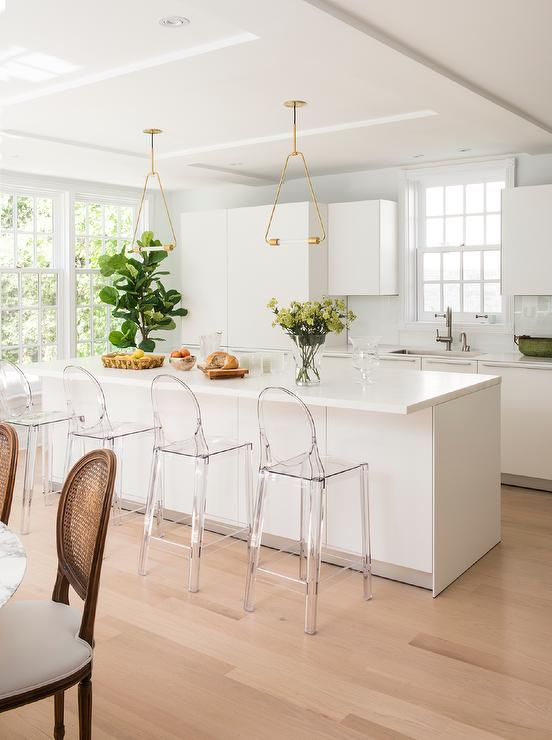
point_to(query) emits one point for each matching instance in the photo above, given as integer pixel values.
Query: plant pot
(307, 353)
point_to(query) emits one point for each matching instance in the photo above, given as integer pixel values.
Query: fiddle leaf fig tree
(138, 296)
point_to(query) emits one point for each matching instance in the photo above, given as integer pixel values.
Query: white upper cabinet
(527, 240)
(257, 272)
(203, 255)
(363, 248)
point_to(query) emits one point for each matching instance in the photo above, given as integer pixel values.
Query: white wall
(375, 315)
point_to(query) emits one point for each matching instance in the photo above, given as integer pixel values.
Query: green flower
(312, 317)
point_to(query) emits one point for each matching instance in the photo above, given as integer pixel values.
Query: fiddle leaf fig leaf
(148, 345)
(109, 295)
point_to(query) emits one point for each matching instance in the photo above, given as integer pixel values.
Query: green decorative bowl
(534, 346)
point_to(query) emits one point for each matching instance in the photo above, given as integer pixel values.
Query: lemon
(138, 354)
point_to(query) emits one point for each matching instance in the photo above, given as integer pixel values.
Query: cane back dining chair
(17, 407)
(89, 420)
(289, 449)
(179, 432)
(9, 449)
(46, 646)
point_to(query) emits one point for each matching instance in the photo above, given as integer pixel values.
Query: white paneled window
(454, 237)
(30, 260)
(101, 226)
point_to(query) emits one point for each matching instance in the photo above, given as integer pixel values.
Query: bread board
(217, 374)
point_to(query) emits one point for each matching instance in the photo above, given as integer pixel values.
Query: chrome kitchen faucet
(447, 339)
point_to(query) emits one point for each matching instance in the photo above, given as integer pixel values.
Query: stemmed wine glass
(365, 357)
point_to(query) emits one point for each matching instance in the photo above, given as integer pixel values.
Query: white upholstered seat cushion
(39, 644)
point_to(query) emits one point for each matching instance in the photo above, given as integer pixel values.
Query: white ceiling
(385, 81)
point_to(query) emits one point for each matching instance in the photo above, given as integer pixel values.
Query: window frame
(104, 200)
(414, 182)
(57, 268)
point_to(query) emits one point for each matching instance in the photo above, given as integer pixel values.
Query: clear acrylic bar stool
(18, 408)
(89, 420)
(179, 431)
(281, 430)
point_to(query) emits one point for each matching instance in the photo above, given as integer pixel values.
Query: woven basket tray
(147, 362)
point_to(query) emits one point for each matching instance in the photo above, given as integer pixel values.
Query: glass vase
(307, 353)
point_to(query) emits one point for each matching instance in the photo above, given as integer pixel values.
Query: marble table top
(13, 562)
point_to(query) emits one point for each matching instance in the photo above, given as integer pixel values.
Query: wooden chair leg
(59, 726)
(85, 709)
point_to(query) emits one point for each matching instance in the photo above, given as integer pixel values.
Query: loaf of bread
(221, 361)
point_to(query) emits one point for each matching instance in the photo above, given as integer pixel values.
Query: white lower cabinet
(401, 362)
(526, 414)
(451, 365)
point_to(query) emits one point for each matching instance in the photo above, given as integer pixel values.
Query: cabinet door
(449, 366)
(400, 363)
(204, 274)
(526, 410)
(353, 233)
(527, 240)
(362, 251)
(257, 272)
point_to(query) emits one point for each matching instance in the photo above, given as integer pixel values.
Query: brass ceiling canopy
(275, 241)
(152, 132)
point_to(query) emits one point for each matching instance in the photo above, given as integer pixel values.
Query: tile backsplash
(533, 315)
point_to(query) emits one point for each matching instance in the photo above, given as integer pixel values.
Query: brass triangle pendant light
(276, 241)
(152, 132)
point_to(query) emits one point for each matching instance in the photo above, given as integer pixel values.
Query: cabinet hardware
(526, 366)
(400, 359)
(449, 362)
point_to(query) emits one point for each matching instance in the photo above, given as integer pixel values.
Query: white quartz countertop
(394, 391)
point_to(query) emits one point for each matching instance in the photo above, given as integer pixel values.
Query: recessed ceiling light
(417, 156)
(465, 149)
(174, 21)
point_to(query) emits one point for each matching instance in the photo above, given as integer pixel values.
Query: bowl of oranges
(182, 359)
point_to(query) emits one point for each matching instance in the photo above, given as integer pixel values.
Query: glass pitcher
(209, 343)
(365, 357)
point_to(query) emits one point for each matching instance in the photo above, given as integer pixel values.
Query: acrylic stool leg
(156, 465)
(198, 522)
(116, 446)
(28, 479)
(365, 524)
(68, 454)
(305, 487)
(46, 465)
(160, 498)
(248, 485)
(314, 546)
(255, 542)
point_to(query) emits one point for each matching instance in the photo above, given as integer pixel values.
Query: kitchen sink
(435, 353)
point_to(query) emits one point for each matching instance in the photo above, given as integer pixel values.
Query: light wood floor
(474, 663)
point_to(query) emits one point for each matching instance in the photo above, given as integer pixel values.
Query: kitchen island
(432, 441)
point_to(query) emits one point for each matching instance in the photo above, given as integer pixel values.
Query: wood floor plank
(473, 664)
(373, 729)
(496, 663)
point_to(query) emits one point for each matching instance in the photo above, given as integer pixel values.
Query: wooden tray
(147, 362)
(238, 372)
